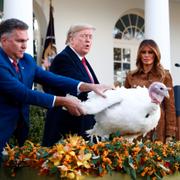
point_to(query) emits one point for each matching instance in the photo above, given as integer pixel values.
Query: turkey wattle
(132, 112)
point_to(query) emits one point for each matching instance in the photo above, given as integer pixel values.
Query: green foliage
(37, 115)
(36, 128)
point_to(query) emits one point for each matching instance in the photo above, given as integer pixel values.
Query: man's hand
(97, 88)
(71, 103)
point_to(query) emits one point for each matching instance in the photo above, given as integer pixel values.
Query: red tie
(87, 70)
(15, 64)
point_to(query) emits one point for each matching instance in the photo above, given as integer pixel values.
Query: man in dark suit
(18, 71)
(59, 122)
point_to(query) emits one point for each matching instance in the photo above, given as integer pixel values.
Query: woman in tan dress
(149, 69)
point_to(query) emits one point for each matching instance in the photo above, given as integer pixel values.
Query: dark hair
(154, 47)
(7, 26)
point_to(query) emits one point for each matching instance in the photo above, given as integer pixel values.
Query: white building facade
(120, 27)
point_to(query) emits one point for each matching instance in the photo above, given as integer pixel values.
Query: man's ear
(3, 38)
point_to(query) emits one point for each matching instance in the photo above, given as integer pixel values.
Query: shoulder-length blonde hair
(157, 67)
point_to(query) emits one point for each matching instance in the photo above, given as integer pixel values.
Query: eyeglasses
(86, 36)
(147, 52)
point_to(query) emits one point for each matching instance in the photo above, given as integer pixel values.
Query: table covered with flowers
(74, 158)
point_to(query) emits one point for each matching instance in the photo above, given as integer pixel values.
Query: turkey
(132, 112)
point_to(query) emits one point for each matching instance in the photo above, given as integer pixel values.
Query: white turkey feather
(133, 111)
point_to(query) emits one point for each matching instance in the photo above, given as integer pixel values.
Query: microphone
(177, 64)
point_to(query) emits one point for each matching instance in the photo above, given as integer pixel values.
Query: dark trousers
(21, 132)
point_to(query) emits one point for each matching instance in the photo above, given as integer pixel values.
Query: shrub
(36, 128)
(37, 115)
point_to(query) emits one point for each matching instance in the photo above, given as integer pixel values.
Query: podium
(177, 105)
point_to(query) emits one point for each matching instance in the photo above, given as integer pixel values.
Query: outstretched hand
(97, 88)
(71, 104)
(101, 88)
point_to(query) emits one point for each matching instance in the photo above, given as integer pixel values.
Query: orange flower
(126, 153)
(106, 160)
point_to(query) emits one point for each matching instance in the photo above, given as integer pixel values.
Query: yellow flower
(59, 148)
(83, 159)
(56, 158)
(71, 175)
(67, 158)
(74, 140)
(72, 153)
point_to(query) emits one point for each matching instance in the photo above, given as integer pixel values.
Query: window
(121, 64)
(128, 29)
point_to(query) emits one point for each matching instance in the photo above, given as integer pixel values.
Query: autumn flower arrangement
(73, 157)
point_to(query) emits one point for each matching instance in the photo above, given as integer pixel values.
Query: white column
(23, 10)
(157, 27)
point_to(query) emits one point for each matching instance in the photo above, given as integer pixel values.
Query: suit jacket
(16, 95)
(60, 122)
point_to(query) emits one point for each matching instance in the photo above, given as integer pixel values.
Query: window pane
(117, 54)
(133, 19)
(126, 66)
(140, 22)
(119, 25)
(125, 20)
(126, 55)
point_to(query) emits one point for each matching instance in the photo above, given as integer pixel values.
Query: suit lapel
(77, 62)
(92, 72)
(80, 66)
